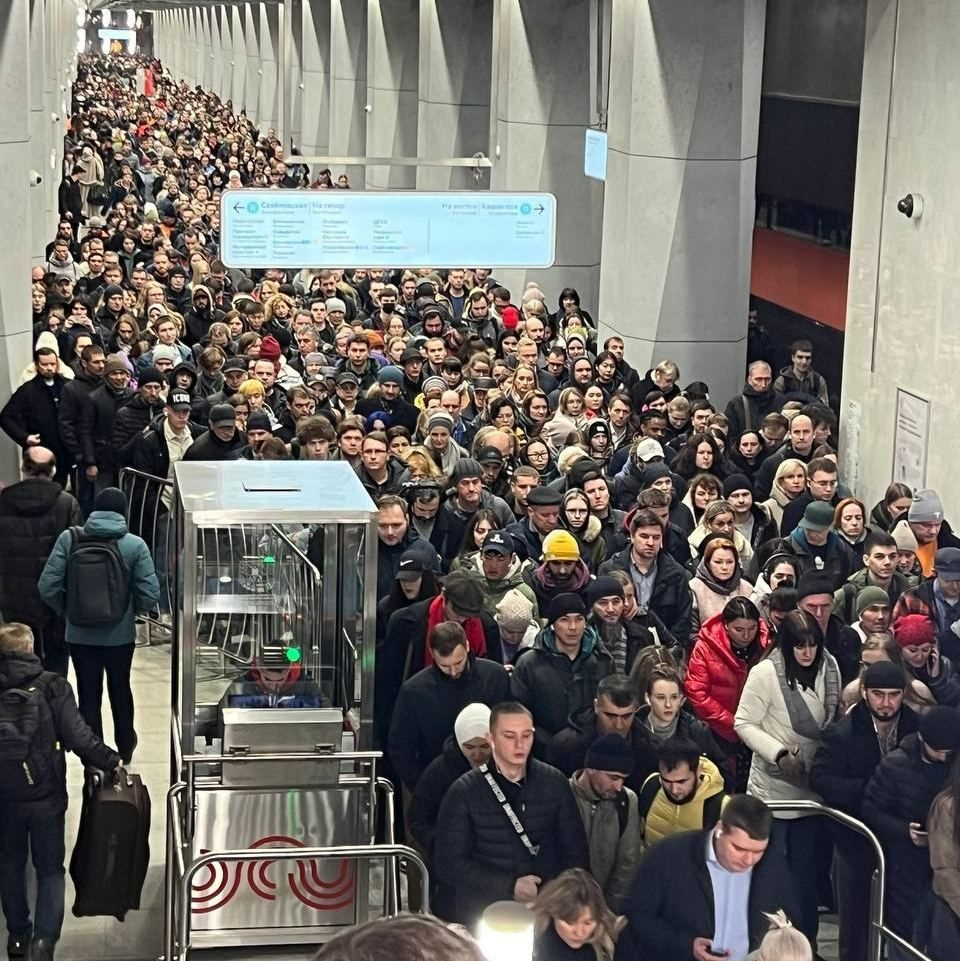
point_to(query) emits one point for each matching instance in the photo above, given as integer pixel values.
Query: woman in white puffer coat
(789, 698)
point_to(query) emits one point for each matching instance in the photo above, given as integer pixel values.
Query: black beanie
(111, 499)
(568, 603)
(814, 583)
(884, 675)
(150, 375)
(654, 472)
(603, 586)
(940, 728)
(576, 477)
(610, 753)
(737, 482)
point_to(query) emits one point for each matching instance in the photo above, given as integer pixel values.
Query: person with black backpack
(39, 722)
(610, 815)
(99, 577)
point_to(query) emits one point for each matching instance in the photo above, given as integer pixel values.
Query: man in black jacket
(430, 701)
(98, 459)
(33, 796)
(557, 677)
(73, 398)
(506, 828)
(30, 416)
(404, 651)
(848, 755)
(33, 514)
(895, 805)
(671, 905)
(222, 441)
(136, 415)
(660, 583)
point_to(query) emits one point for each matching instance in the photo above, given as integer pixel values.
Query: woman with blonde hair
(421, 464)
(572, 920)
(789, 482)
(719, 518)
(783, 942)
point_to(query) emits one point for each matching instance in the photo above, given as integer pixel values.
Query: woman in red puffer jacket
(727, 646)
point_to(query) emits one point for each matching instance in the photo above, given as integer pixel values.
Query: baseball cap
(489, 455)
(179, 400)
(498, 542)
(347, 377)
(222, 414)
(463, 593)
(412, 566)
(946, 563)
(817, 517)
(648, 449)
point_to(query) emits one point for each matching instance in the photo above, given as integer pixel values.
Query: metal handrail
(354, 852)
(878, 930)
(174, 860)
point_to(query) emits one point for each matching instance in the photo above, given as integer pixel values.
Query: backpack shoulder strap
(623, 810)
(747, 416)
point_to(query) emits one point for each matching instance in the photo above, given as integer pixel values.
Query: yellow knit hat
(560, 546)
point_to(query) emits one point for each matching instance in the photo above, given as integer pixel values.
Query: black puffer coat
(900, 791)
(33, 514)
(480, 855)
(61, 728)
(431, 789)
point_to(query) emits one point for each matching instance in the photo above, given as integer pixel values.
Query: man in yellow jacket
(685, 794)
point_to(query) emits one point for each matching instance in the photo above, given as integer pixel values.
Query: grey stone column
(456, 46)
(348, 83)
(393, 38)
(679, 200)
(315, 60)
(16, 334)
(544, 103)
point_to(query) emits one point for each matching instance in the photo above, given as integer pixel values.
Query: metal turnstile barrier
(184, 863)
(149, 518)
(879, 932)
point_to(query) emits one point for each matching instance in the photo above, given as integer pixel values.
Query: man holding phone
(671, 913)
(895, 805)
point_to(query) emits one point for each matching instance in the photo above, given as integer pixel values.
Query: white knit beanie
(473, 721)
(515, 611)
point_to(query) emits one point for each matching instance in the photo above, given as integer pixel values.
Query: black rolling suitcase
(110, 859)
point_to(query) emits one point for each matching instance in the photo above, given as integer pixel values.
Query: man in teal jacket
(95, 650)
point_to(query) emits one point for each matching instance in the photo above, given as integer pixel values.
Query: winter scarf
(472, 626)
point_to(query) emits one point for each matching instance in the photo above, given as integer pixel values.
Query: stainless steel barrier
(879, 932)
(181, 811)
(387, 852)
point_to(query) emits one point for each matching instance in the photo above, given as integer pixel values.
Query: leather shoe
(42, 950)
(17, 947)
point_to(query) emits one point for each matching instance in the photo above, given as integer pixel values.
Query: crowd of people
(615, 618)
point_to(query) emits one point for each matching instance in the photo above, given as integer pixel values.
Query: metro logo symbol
(253, 207)
(221, 882)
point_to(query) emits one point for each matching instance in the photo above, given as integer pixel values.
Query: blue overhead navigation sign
(326, 228)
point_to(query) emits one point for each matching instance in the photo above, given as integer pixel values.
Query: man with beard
(609, 814)
(390, 400)
(620, 635)
(895, 805)
(562, 571)
(685, 794)
(849, 753)
(429, 702)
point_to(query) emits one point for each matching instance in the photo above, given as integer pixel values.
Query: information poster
(910, 432)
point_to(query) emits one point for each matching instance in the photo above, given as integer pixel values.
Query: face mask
(388, 308)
